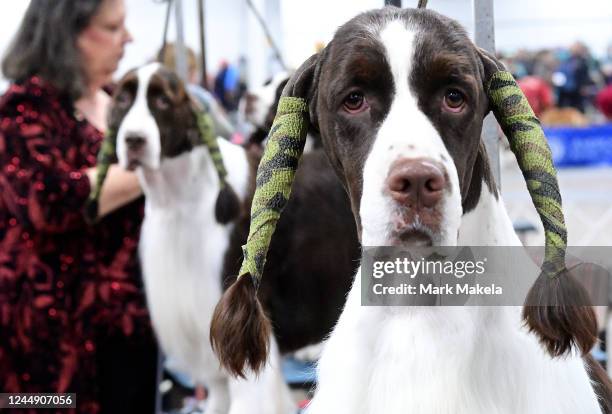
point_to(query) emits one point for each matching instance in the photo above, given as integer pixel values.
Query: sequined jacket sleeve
(39, 184)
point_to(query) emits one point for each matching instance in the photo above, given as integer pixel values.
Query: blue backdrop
(585, 146)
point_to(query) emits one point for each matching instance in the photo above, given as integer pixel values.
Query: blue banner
(581, 146)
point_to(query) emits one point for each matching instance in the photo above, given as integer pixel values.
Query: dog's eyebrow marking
(144, 77)
(158, 84)
(450, 64)
(129, 80)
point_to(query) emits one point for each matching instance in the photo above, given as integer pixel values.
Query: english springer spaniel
(399, 97)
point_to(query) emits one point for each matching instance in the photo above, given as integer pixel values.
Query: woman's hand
(120, 188)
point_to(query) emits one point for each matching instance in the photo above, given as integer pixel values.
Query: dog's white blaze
(406, 132)
(139, 121)
(459, 360)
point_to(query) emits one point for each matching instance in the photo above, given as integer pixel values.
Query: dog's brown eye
(454, 100)
(355, 102)
(123, 100)
(162, 103)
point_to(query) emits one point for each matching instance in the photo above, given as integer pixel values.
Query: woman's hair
(45, 44)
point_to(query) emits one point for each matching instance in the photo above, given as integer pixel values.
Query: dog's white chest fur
(182, 250)
(444, 360)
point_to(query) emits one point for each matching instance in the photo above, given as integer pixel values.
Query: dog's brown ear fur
(570, 323)
(557, 307)
(240, 330)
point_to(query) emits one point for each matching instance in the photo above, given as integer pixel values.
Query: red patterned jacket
(62, 283)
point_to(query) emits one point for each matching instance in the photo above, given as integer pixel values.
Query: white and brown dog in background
(186, 252)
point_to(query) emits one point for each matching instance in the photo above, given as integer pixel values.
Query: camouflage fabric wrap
(532, 152)
(273, 184)
(106, 156)
(205, 125)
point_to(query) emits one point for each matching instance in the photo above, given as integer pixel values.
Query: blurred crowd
(565, 86)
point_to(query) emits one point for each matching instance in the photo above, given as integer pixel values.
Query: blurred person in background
(73, 316)
(223, 126)
(604, 102)
(229, 85)
(606, 66)
(545, 64)
(573, 79)
(538, 92)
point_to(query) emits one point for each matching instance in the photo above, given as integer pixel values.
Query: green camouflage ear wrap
(205, 126)
(273, 185)
(530, 147)
(106, 156)
(226, 208)
(557, 307)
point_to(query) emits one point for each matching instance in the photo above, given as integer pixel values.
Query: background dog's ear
(304, 84)
(227, 206)
(557, 307)
(240, 330)
(106, 157)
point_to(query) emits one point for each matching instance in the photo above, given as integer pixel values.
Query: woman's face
(102, 42)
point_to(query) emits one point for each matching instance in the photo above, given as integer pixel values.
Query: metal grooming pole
(180, 51)
(484, 36)
(202, 27)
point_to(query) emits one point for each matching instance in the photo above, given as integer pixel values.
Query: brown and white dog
(259, 107)
(185, 252)
(398, 98)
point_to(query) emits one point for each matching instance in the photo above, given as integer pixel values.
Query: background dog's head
(154, 117)
(259, 104)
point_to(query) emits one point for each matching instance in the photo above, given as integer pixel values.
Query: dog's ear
(557, 306)
(107, 156)
(227, 206)
(240, 330)
(196, 123)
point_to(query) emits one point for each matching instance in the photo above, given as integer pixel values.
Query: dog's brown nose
(416, 182)
(134, 142)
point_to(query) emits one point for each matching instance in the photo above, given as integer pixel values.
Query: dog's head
(153, 118)
(398, 98)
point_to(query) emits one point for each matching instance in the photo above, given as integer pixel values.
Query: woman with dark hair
(72, 311)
